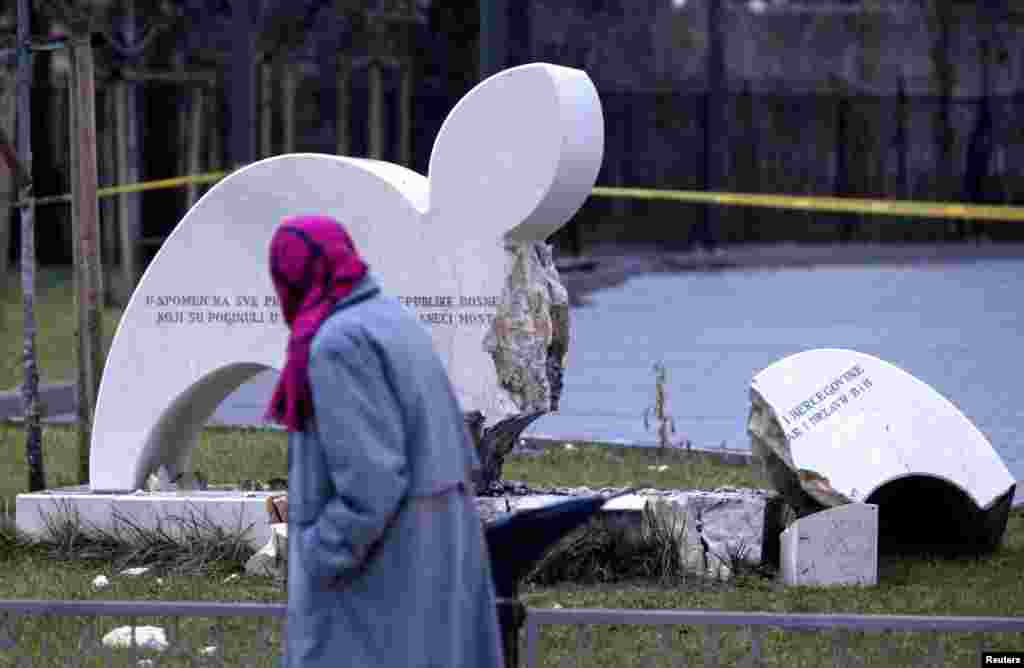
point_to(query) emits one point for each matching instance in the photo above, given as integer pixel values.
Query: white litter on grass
(159, 581)
(231, 578)
(138, 570)
(209, 650)
(663, 467)
(146, 637)
(101, 581)
(556, 605)
(570, 446)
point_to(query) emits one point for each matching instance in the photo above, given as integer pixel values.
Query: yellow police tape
(831, 204)
(955, 210)
(110, 191)
(161, 184)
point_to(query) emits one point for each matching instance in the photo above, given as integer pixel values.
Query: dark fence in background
(812, 144)
(892, 147)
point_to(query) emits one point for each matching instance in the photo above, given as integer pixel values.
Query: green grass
(596, 466)
(968, 586)
(56, 327)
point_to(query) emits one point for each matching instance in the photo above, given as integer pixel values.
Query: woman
(387, 564)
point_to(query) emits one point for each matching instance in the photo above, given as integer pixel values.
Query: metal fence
(751, 632)
(69, 633)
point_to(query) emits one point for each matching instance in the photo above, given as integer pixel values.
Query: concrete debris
(146, 637)
(271, 560)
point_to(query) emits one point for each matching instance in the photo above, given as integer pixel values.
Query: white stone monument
(838, 546)
(844, 426)
(514, 160)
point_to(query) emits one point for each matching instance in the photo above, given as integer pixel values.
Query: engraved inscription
(447, 310)
(443, 310)
(826, 402)
(173, 310)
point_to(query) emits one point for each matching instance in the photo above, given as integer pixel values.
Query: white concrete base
(230, 510)
(838, 546)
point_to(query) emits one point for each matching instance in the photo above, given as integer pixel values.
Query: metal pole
(30, 386)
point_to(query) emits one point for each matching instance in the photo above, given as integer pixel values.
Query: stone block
(838, 546)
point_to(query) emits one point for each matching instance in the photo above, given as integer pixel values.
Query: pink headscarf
(313, 264)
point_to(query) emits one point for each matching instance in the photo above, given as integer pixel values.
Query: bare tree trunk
(30, 386)
(289, 88)
(195, 141)
(129, 156)
(89, 286)
(376, 111)
(980, 143)
(8, 187)
(182, 116)
(344, 73)
(405, 115)
(266, 114)
(126, 209)
(245, 19)
(944, 135)
(215, 128)
(108, 207)
(715, 127)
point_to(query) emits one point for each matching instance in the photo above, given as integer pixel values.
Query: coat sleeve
(360, 426)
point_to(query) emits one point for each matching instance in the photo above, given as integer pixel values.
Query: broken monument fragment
(834, 426)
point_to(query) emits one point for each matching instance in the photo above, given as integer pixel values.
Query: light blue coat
(387, 563)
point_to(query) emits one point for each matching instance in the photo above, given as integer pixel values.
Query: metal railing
(46, 633)
(749, 651)
(251, 634)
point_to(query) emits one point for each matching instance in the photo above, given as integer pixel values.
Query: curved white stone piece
(515, 159)
(861, 422)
